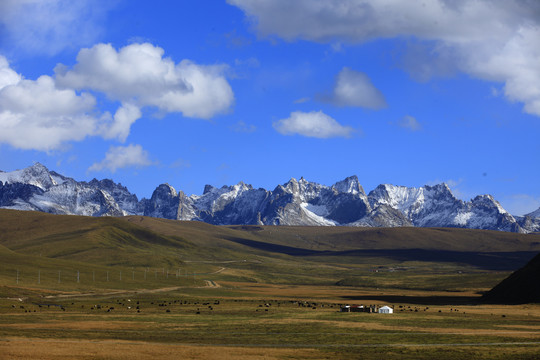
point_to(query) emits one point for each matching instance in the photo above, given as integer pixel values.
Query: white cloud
(139, 74)
(44, 114)
(494, 41)
(124, 117)
(34, 114)
(50, 26)
(119, 157)
(410, 123)
(7, 75)
(312, 124)
(354, 88)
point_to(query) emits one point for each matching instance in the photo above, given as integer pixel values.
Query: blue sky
(216, 92)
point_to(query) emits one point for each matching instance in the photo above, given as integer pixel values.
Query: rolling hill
(413, 257)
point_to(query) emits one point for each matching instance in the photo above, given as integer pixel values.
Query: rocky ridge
(297, 202)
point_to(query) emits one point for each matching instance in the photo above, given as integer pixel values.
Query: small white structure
(386, 310)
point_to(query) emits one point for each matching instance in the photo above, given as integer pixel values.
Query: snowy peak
(302, 189)
(164, 203)
(36, 175)
(402, 198)
(488, 203)
(297, 202)
(164, 191)
(436, 206)
(349, 185)
(36, 188)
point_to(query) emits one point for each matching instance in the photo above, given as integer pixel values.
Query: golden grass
(333, 293)
(33, 348)
(239, 328)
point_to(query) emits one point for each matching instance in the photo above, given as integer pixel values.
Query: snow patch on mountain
(36, 175)
(297, 202)
(317, 213)
(534, 214)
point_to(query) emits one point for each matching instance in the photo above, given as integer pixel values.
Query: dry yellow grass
(40, 349)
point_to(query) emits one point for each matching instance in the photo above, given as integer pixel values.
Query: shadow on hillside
(499, 261)
(417, 300)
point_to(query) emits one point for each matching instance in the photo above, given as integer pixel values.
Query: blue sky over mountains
(196, 92)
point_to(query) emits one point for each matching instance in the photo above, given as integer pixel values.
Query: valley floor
(264, 321)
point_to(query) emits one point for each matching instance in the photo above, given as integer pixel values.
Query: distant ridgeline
(298, 202)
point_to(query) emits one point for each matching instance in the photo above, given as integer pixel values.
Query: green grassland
(437, 259)
(273, 289)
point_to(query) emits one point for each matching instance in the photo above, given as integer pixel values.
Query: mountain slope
(35, 188)
(297, 202)
(137, 241)
(520, 287)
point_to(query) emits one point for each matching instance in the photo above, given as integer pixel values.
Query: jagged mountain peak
(292, 187)
(488, 201)
(297, 202)
(442, 188)
(241, 186)
(208, 188)
(166, 189)
(37, 175)
(349, 185)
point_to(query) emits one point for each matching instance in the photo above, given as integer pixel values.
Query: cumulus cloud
(410, 123)
(354, 88)
(7, 75)
(138, 73)
(48, 26)
(34, 114)
(119, 157)
(45, 113)
(312, 124)
(124, 117)
(494, 41)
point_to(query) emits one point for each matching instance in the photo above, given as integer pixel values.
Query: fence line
(64, 276)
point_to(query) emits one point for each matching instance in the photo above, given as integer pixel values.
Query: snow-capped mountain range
(297, 202)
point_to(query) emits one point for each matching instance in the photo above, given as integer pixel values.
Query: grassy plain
(191, 291)
(258, 321)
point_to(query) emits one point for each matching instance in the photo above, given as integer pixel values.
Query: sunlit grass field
(141, 288)
(301, 322)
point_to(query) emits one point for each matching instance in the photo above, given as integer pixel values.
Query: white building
(386, 310)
